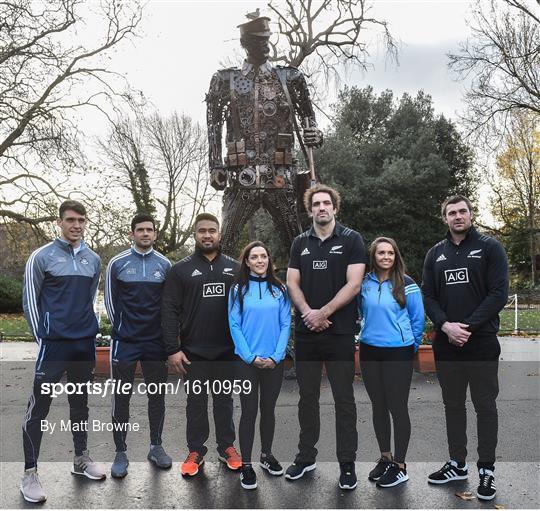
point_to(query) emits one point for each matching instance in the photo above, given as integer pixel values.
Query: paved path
(518, 468)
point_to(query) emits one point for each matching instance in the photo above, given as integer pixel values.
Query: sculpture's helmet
(257, 27)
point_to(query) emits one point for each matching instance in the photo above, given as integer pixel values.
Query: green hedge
(10, 294)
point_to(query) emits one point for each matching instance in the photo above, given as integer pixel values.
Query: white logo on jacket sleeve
(305, 252)
(456, 276)
(157, 274)
(475, 254)
(320, 265)
(196, 273)
(213, 289)
(83, 260)
(440, 258)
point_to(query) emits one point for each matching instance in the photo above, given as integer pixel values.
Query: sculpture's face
(257, 47)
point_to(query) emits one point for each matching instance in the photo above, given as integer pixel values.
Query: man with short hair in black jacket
(199, 344)
(465, 284)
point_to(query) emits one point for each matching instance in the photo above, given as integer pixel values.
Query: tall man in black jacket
(198, 341)
(465, 284)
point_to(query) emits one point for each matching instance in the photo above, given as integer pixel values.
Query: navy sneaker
(380, 468)
(298, 469)
(120, 464)
(347, 478)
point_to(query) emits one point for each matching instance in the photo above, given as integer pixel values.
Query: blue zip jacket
(384, 323)
(133, 286)
(263, 327)
(59, 291)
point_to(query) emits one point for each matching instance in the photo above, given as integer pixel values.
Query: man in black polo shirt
(325, 273)
(465, 285)
(198, 342)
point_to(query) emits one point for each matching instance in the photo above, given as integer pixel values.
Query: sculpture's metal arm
(303, 107)
(217, 101)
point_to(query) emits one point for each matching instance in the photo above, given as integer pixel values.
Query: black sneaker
(270, 463)
(248, 479)
(347, 478)
(393, 476)
(298, 469)
(486, 489)
(449, 472)
(380, 468)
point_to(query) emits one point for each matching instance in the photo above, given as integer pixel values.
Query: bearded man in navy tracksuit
(60, 284)
(133, 287)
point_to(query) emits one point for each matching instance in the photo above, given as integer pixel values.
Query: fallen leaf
(465, 495)
(498, 506)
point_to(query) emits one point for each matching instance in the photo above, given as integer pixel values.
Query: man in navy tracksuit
(465, 285)
(60, 285)
(133, 286)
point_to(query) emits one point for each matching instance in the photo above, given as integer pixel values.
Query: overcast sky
(183, 43)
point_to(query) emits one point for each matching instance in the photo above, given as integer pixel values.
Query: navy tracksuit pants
(77, 359)
(125, 355)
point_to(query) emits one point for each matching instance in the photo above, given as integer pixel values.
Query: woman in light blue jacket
(392, 314)
(260, 322)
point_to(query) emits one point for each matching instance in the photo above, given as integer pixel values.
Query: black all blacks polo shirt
(323, 272)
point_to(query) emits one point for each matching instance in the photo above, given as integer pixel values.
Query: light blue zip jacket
(263, 327)
(384, 323)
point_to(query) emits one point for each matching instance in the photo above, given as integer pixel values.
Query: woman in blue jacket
(392, 314)
(260, 322)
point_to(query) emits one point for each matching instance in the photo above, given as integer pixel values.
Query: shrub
(10, 294)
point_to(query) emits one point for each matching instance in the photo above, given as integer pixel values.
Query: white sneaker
(31, 488)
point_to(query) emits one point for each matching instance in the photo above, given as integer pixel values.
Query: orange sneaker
(231, 458)
(191, 465)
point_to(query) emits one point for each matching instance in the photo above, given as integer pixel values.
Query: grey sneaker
(84, 466)
(31, 488)
(159, 457)
(119, 467)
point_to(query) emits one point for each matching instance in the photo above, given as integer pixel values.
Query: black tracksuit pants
(387, 374)
(265, 385)
(337, 352)
(201, 375)
(475, 366)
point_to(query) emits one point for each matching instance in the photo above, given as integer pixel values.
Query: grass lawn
(528, 320)
(15, 326)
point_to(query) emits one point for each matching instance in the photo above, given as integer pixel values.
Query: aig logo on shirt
(213, 289)
(457, 276)
(320, 265)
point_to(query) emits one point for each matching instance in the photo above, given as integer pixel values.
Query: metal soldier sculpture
(262, 107)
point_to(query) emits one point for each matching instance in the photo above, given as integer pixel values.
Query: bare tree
(51, 65)
(516, 184)
(162, 161)
(325, 37)
(502, 61)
